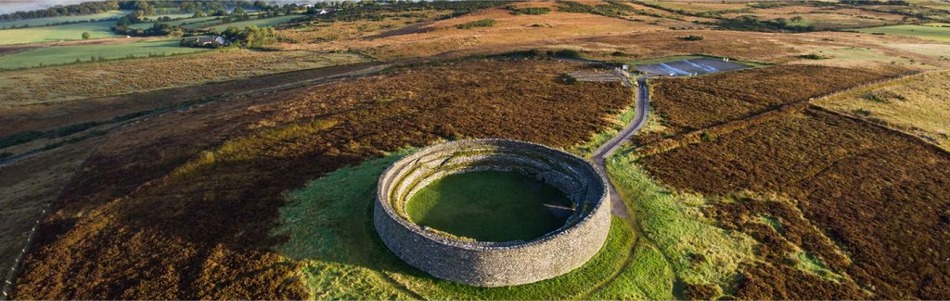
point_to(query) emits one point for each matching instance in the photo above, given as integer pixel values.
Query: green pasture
(488, 206)
(69, 54)
(178, 22)
(115, 14)
(268, 22)
(57, 33)
(936, 33)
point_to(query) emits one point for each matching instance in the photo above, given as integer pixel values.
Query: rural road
(608, 149)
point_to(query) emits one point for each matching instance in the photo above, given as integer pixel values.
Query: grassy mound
(488, 206)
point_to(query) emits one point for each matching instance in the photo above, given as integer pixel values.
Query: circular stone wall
(490, 264)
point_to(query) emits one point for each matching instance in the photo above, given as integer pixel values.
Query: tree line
(147, 7)
(85, 8)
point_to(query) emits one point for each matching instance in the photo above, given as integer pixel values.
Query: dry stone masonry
(492, 264)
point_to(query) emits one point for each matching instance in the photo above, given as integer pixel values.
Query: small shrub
(812, 56)
(706, 137)
(862, 112)
(567, 79)
(874, 97)
(567, 53)
(528, 10)
(883, 96)
(479, 23)
(691, 38)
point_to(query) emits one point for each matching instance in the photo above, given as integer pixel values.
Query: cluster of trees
(610, 9)
(477, 23)
(374, 11)
(691, 38)
(528, 10)
(250, 37)
(142, 8)
(192, 6)
(754, 24)
(715, 14)
(85, 8)
(157, 29)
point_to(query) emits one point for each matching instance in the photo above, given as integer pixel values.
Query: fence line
(18, 261)
(9, 280)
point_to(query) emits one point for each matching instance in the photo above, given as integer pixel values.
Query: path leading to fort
(608, 149)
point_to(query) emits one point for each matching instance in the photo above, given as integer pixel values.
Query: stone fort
(492, 264)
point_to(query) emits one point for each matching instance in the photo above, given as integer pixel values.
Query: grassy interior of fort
(488, 206)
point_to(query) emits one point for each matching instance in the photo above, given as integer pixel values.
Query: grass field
(488, 206)
(268, 22)
(936, 33)
(917, 105)
(57, 33)
(70, 54)
(55, 20)
(177, 22)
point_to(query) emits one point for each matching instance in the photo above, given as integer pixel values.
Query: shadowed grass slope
(700, 253)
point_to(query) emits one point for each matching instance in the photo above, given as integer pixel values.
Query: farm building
(204, 41)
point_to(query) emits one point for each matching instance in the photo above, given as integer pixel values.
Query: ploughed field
(842, 208)
(186, 205)
(489, 206)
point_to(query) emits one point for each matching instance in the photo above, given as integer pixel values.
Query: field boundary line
(9, 281)
(883, 126)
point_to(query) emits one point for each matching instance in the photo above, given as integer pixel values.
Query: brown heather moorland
(181, 205)
(693, 103)
(62, 83)
(879, 195)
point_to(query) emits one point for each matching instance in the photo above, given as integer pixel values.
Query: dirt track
(608, 149)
